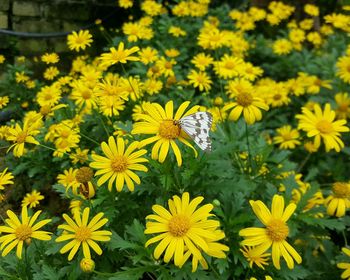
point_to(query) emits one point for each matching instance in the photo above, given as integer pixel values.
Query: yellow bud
(87, 265)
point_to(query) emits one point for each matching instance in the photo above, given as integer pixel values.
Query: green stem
(127, 76)
(248, 146)
(304, 162)
(345, 239)
(103, 124)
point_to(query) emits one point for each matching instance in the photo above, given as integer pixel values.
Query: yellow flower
(17, 231)
(247, 104)
(287, 137)
(338, 202)
(118, 55)
(346, 266)
(32, 199)
(282, 47)
(80, 40)
(125, 3)
(48, 95)
(343, 102)
(148, 55)
(2, 59)
(79, 156)
(151, 7)
(5, 178)
(50, 73)
(343, 65)
(202, 61)
(163, 123)
(87, 265)
(321, 125)
(68, 180)
(200, 80)
(119, 164)
(21, 136)
(275, 233)
(50, 58)
(228, 66)
(4, 100)
(176, 31)
(184, 231)
(84, 96)
(255, 257)
(311, 10)
(83, 233)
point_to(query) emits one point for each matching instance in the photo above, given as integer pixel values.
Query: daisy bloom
(5, 178)
(4, 100)
(118, 55)
(202, 61)
(17, 231)
(338, 202)
(346, 266)
(343, 105)
(343, 65)
(321, 125)
(287, 137)
(49, 58)
(275, 232)
(255, 257)
(32, 199)
(80, 40)
(163, 123)
(119, 163)
(249, 105)
(183, 231)
(200, 80)
(83, 234)
(20, 136)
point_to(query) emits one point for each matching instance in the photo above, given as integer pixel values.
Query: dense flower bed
(109, 170)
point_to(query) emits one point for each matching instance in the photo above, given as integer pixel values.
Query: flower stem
(248, 147)
(304, 162)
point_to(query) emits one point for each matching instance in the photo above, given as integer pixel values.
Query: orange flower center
(168, 65)
(341, 190)
(83, 233)
(244, 99)
(277, 230)
(229, 65)
(324, 126)
(179, 225)
(21, 137)
(119, 164)
(46, 109)
(343, 107)
(84, 174)
(86, 94)
(32, 199)
(277, 97)
(23, 232)
(169, 130)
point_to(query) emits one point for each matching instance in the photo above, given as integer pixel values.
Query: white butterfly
(197, 126)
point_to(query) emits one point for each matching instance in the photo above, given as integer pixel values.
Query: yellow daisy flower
(346, 266)
(49, 58)
(32, 199)
(249, 105)
(5, 178)
(83, 233)
(275, 233)
(255, 257)
(80, 40)
(321, 125)
(118, 55)
(338, 202)
(4, 100)
(184, 231)
(287, 137)
(200, 80)
(163, 123)
(119, 164)
(21, 136)
(17, 231)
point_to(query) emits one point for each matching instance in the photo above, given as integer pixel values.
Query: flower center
(32, 199)
(83, 233)
(23, 232)
(168, 65)
(341, 190)
(21, 137)
(86, 94)
(64, 134)
(169, 130)
(229, 65)
(48, 97)
(179, 225)
(244, 99)
(84, 174)
(277, 230)
(324, 126)
(343, 107)
(119, 164)
(277, 96)
(287, 137)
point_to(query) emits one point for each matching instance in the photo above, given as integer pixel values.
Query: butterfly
(197, 126)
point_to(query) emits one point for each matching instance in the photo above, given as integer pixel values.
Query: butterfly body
(197, 126)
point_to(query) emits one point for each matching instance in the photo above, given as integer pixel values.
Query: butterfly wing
(197, 126)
